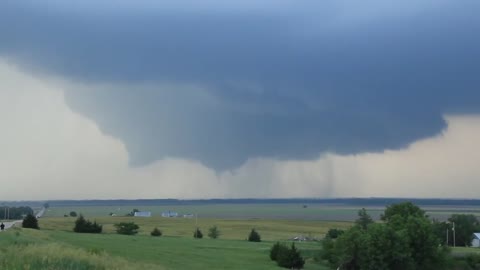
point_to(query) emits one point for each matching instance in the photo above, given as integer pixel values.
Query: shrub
(85, 226)
(276, 249)
(197, 234)
(31, 222)
(213, 232)
(334, 233)
(254, 236)
(156, 232)
(73, 214)
(127, 228)
(290, 258)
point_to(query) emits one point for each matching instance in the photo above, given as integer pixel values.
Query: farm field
(180, 251)
(177, 249)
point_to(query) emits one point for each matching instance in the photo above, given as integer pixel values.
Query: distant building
(476, 240)
(142, 214)
(188, 216)
(169, 214)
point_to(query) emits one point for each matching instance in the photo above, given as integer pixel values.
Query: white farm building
(476, 240)
(142, 214)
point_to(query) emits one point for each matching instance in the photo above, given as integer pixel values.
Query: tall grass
(26, 255)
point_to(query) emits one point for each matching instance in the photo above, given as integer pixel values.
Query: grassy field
(234, 229)
(55, 246)
(176, 249)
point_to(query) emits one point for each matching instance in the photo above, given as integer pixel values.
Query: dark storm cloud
(288, 81)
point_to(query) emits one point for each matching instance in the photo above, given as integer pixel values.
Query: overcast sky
(223, 99)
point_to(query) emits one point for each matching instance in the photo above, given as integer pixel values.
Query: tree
(213, 232)
(364, 219)
(73, 214)
(406, 240)
(465, 226)
(85, 226)
(290, 258)
(46, 205)
(156, 232)
(31, 222)
(197, 234)
(334, 233)
(402, 211)
(254, 236)
(127, 228)
(276, 249)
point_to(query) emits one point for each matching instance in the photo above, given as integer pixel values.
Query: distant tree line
(15, 212)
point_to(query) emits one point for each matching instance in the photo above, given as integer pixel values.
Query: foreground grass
(28, 249)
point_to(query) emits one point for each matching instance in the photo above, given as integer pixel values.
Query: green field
(56, 246)
(176, 249)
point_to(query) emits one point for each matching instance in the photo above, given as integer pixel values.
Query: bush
(290, 258)
(254, 236)
(276, 249)
(73, 214)
(85, 226)
(156, 232)
(334, 233)
(127, 228)
(213, 232)
(197, 234)
(31, 222)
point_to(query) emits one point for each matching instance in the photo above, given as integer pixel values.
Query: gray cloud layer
(221, 83)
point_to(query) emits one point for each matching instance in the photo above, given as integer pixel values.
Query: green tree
(127, 228)
(197, 233)
(402, 211)
(364, 219)
(73, 214)
(334, 233)
(254, 236)
(385, 248)
(156, 232)
(290, 258)
(406, 240)
(465, 226)
(213, 232)
(31, 222)
(83, 225)
(46, 205)
(276, 249)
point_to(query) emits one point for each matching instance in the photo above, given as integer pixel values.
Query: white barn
(142, 214)
(476, 240)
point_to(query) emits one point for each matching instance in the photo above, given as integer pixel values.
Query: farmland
(176, 248)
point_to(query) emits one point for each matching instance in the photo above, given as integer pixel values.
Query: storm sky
(228, 99)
